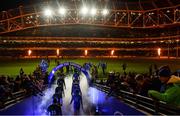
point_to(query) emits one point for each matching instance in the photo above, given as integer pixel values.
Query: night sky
(11, 4)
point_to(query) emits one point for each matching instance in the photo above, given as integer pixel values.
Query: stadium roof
(20, 15)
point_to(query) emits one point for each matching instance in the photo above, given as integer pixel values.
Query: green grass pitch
(12, 67)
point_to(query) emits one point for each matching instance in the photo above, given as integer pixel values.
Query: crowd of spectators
(31, 84)
(159, 84)
(104, 44)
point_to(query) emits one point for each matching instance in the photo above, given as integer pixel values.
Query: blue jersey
(76, 76)
(77, 102)
(75, 87)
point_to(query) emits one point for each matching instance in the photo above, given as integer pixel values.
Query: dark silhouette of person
(61, 81)
(143, 85)
(150, 70)
(58, 97)
(124, 66)
(103, 66)
(67, 69)
(59, 90)
(21, 72)
(113, 83)
(54, 109)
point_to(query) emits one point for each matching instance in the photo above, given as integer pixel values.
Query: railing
(16, 97)
(143, 103)
(140, 102)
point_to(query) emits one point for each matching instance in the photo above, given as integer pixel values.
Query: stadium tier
(103, 26)
(89, 57)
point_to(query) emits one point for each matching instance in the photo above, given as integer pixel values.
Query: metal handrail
(16, 96)
(144, 103)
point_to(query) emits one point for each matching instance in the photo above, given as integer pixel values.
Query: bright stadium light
(112, 52)
(85, 52)
(93, 11)
(105, 12)
(62, 11)
(48, 12)
(57, 52)
(84, 10)
(159, 52)
(29, 52)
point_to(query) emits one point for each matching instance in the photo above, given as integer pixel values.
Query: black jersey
(54, 109)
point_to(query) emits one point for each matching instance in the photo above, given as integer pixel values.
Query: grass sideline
(11, 67)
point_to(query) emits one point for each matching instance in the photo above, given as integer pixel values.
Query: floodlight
(48, 12)
(112, 52)
(105, 12)
(57, 52)
(93, 11)
(29, 52)
(85, 52)
(159, 51)
(84, 10)
(62, 11)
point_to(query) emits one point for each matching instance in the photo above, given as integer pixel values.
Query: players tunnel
(79, 67)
